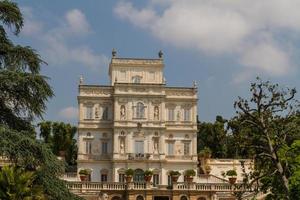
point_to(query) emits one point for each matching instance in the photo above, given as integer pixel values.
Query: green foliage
(18, 184)
(174, 173)
(205, 153)
(84, 172)
(231, 172)
(190, 172)
(23, 96)
(266, 126)
(148, 173)
(60, 137)
(129, 172)
(213, 137)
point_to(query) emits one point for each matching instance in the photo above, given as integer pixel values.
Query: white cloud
(69, 113)
(55, 47)
(77, 21)
(31, 26)
(268, 58)
(222, 27)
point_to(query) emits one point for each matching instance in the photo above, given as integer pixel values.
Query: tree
(60, 137)
(23, 96)
(18, 184)
(266, 126)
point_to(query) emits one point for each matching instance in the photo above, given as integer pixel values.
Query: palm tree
(18, 184)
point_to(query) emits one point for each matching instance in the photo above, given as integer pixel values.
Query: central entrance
(161, 198)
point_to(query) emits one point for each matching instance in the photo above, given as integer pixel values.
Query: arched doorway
(140, 197)
(138, 175)
(116, 198)
(183, 198)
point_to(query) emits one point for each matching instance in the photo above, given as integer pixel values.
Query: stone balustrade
(80, 187)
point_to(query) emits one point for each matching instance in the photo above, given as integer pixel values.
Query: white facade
(137, 122)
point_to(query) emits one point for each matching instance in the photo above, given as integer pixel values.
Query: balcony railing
(80, 187)
(139, 156)
(93, 157)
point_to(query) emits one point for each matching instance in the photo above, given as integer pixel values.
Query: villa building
(139, 122)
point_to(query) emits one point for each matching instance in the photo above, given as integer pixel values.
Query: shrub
(175, 173)
(84, 172)
(148, 173)
(231, 172)
(129, 172)
(190, 172)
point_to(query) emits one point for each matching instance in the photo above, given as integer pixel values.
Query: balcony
(93, 157)
(92, 187)
(139, 156)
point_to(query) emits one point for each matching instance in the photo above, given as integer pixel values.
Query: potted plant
(232, 176)
(129, 173)
(175, 175)
(83, 174)
(207, 169)
(189, 175)
(148, 175)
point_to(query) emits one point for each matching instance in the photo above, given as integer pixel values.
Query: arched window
(201, 198)
(140, 197)
(138, 175)
(183, 198)
(104, 175)
(140, 110)
(136, 79)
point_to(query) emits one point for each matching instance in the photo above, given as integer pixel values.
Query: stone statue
(195, 84)
(155, 146)
(123, 112)
(104, 196)
(156, 113)
(96, 112)
(81, 80)
(122, 149)
(178, 116)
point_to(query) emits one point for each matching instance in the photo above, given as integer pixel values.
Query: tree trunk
(279, 167)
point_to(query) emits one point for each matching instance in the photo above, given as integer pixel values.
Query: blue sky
(222, 44)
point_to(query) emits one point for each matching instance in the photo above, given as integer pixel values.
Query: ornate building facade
(139, 122)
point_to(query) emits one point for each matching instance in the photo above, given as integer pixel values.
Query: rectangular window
(121, 178)
(88, 147)
(104, 148)
(139, 147)
(171, 114)
(89, 112)
(103, 177)
(187, 115)
(155, 179)
(186, 148)
(105, 113)
(170, 148)
(169, 180)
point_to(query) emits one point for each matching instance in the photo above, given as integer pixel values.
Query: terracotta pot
(175, 179)
(128, 179)
(83, 177)
(189, 179)
(232, 180)
(147, 178)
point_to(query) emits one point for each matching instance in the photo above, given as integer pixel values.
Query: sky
(222, 44)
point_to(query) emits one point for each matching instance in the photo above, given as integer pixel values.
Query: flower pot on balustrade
(83, 177)
(232, 180)
(147, 178)
(189, 179)
(175, 178)
(128, 179)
